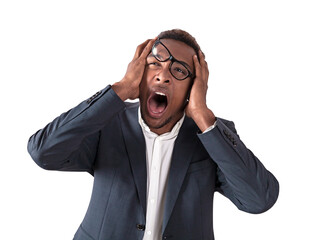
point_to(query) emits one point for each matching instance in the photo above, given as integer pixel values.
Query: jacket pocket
(197, 166)
(81, 234)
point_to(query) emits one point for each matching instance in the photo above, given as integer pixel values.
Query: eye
(153, 64)
(180, 70)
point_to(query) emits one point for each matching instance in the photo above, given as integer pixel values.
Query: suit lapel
(136, 149)
(183, 150)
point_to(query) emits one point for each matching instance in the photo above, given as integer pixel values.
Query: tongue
(157, 106)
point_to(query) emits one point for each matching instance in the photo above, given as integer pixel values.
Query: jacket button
(167, 237)
(226, 132)
(140, 227)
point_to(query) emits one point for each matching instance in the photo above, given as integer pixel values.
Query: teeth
(159, 93)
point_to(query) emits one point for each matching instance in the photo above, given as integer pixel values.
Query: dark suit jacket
(103, 137)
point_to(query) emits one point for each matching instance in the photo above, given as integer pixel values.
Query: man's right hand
(128, 87)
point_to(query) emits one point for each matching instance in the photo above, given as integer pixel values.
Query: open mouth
(157, 104)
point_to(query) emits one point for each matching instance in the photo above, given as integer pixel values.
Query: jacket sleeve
(240, 175)
(69, 142)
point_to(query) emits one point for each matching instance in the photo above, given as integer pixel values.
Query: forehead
(180, 51)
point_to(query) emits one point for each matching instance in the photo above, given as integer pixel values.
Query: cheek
(143, 83)
(143, 87)
(147, 77)
(181, 93)
(184, 88)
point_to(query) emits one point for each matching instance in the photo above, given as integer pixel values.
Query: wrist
(121, 90)
(204, 118)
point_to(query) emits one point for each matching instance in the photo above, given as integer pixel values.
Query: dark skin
(142, 79)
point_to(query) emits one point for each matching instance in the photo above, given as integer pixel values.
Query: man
(157, 163)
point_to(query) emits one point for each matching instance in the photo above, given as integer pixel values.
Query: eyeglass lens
(177, 69)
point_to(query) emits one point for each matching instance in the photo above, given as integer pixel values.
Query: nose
(164, 76)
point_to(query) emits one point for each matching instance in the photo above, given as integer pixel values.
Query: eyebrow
(184, 63)
(189, 68)
(187, 65)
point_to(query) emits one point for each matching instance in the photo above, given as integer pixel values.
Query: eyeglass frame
(172, 59)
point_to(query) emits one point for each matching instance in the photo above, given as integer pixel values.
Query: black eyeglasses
(177, 69)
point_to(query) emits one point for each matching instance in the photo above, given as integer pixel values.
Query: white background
(55, 54)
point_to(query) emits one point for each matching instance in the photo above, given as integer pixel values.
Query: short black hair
(182, 36)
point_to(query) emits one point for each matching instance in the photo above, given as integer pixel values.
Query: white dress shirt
(159, 149)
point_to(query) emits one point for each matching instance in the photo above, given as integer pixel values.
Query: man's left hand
(196, 107)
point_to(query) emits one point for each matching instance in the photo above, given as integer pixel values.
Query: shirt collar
(168, 135)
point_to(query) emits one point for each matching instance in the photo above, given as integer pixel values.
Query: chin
(162, 124)
(157, 123)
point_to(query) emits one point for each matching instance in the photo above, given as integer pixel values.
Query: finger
(148, 48)
(197, 66)
(202, 58)
(140, 48)
(204, 66)
(206, 71)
